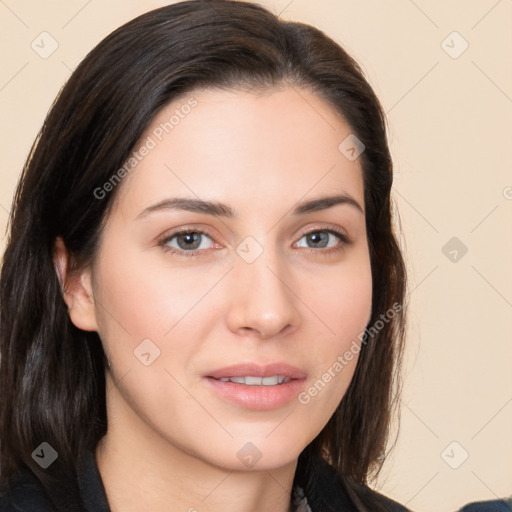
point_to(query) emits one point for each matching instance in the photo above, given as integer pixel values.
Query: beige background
(451, 132)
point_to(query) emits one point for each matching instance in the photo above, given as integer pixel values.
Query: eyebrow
(218, 209)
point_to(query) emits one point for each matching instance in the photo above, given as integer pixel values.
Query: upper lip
(255, 370)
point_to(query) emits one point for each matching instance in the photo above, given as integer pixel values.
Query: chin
(258, 453)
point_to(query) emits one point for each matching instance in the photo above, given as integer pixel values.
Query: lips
(257, 371)
(256, 387)
(251, 380)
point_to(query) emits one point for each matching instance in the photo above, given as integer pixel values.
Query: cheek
(147, 299)
(153, 320)
(348, 303)
(343, 304)
(343, 301)
(149, 320)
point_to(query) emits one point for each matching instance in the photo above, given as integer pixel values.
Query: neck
(142, 472)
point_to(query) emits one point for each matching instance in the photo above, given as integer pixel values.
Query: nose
(263, 301)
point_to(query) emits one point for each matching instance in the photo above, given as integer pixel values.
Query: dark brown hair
(51, 373)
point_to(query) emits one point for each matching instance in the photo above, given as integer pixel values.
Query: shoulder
(504, 505)
(6, 504)
(26, 494)
(327, 492)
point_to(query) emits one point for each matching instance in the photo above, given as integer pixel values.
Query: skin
(169, 435)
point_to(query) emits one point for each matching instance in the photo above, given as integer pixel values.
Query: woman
(202, 294)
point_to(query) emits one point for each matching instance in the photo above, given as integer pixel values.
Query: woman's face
(268, 282)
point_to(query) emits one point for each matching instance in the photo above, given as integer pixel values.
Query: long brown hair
(52, 380)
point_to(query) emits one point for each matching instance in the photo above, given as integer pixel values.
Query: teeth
(257, 381)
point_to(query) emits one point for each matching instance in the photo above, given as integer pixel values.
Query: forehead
(274, 146)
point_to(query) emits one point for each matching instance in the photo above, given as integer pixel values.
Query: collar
(92, 490)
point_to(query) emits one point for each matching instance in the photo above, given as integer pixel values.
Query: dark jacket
(489, 506)
(322, 489)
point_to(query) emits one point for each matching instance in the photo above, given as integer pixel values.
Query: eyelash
(344, 241)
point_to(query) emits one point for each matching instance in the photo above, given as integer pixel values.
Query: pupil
(318, 238)
(188, 241)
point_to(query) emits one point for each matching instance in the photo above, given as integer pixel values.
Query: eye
(323, 239)
(187, 241)
(191, 242)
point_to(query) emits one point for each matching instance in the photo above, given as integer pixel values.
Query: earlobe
(76, 287)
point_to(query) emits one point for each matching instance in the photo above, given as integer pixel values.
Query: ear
(76, 286)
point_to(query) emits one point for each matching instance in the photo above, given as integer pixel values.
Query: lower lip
(260, 398)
